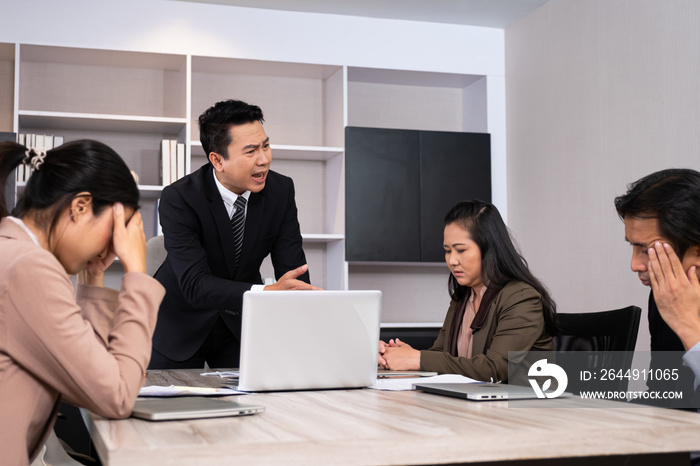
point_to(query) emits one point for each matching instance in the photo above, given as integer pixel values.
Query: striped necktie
(238, 225)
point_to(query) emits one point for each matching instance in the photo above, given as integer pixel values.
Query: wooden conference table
(365, 426)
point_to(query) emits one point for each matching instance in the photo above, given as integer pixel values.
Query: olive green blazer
(515, 322)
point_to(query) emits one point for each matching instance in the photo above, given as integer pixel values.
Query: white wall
(168, 26)
(219, 30)
(599, 93)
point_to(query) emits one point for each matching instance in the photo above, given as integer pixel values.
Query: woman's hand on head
(93, 274)
(129, 240)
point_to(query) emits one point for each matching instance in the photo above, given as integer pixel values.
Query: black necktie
(238, 225)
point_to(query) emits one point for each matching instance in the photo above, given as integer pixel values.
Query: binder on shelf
(31, 142)
(173, 160)
(19, 172)
(48, 142)
(180, 160)
(40, 142)
(11, 184)
(165, 162)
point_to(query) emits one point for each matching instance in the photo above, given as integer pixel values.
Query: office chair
(155, 254)
(612, 335)
(419, 338)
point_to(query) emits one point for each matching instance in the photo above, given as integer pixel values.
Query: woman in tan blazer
(91, 346)
(497, 304)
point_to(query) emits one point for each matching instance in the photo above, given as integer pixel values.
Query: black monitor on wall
(399, 184)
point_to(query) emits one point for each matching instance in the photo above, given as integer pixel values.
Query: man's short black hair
(216, 121)
(672, 197)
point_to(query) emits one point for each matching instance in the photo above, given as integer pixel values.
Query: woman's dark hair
(672, 197)
(215, 124)
(501, 263)
(70, 169)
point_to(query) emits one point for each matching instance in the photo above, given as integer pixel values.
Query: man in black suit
(209, 265)
(661, 213)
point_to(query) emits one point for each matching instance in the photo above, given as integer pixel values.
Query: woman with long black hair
(89, 346)
(497, 304)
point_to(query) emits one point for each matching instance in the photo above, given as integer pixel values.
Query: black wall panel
(382, 195)
(401, 183)
(454, 167)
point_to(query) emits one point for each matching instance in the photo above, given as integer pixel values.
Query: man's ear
(79, 205)
(217, 161)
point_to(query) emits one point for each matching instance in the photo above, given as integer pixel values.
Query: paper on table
(222, 373)
(407, 384)
(174, 390)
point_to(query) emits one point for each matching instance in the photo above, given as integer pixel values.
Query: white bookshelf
(73, 80)
(128, 100)
(100, 122)
(132, 100)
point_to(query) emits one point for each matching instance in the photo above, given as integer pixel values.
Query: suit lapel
(480, 336)
(220, 216)
(253, 220)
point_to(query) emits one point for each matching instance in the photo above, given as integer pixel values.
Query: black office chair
(419, 338)
(612, 335)
(155, 254)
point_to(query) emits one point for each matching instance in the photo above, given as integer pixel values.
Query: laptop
(478, 391)
(300, 340)
(190, 407)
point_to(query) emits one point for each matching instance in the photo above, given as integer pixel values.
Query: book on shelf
(165, 162)
(11, 183)
(173, 160)
(31, 142)
(19, 172)
(180, 160)
(40, 142)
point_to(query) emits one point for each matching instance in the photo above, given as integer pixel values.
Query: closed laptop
(190, 407)
(480, 391)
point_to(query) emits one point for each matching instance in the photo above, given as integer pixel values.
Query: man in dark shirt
(661, 213)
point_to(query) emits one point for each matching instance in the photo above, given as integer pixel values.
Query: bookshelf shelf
(133, 100)
(150, 188)
(100, 122)
(321, 238)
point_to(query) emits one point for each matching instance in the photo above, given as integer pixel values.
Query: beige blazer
(515, 323)
(91, 348)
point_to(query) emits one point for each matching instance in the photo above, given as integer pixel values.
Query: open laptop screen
(295, 340)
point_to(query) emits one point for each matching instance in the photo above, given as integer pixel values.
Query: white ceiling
(485, 13)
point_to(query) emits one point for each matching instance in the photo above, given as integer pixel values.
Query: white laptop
(299, 340)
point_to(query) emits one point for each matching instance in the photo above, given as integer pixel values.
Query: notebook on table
(299, 340)
(191, 407)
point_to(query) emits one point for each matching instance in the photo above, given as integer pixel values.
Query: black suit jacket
(198, 272)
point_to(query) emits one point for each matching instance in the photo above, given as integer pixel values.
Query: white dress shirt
(230, 198)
